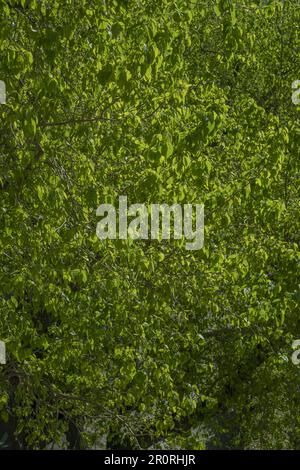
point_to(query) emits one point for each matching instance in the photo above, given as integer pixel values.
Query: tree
(172, 102)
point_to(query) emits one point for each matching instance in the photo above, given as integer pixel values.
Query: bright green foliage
(162, 101)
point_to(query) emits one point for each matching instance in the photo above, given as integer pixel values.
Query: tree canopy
(172, 101)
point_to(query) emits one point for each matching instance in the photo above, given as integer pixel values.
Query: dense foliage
(163, 101)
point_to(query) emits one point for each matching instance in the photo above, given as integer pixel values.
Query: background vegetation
(168, 101)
